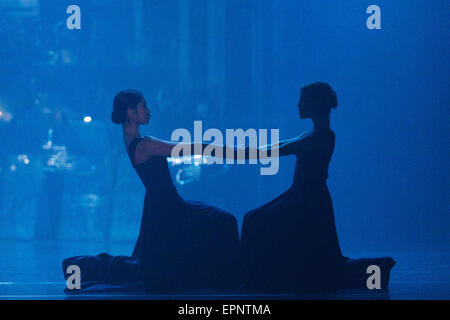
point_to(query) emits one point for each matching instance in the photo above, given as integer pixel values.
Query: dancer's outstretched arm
(151, 146)
(282, 148)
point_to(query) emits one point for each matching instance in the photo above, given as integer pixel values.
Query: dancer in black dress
(182, 245)
(290, 243)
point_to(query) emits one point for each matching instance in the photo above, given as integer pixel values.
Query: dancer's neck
(131, 131)
(321, 124)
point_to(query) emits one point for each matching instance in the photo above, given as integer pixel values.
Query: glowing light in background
(49, 143)
(5, 116)
(196, 160)
(90, 200)
(179, 160)
(23, 158)
(60, 159)
(87, 119)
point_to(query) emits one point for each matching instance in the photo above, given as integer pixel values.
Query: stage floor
(33, 270)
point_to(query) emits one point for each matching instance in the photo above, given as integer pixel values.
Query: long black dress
(182, 245)
(290, 243)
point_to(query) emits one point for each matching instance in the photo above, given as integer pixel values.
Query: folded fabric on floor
(356, 272)
(105, 273)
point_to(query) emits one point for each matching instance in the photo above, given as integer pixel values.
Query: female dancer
(182, 245)
(291, 242)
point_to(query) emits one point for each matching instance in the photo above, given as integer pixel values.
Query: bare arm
(149, 147)
(282, 148)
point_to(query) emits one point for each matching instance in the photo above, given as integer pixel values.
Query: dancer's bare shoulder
(150, 146)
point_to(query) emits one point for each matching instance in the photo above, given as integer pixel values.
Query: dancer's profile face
(142, 112)
(304, 106)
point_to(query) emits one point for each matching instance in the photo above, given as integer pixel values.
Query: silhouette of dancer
(182, 245)
(290, 243)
